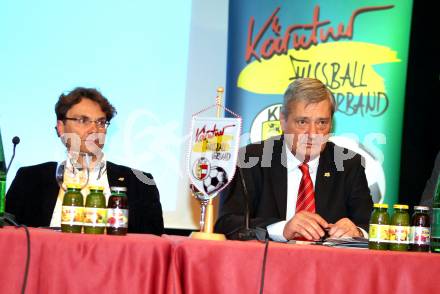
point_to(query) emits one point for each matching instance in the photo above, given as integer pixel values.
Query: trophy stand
(206, 206)
(207, 223)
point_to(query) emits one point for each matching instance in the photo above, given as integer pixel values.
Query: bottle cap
(380, 205)
(421, 208)
(73, 186)
(100, 188)
(118, 189)
(400, 206)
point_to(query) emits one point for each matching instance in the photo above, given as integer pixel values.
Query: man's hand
(343, 228)
(305, 224)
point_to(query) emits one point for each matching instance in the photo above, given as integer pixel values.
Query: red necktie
(306, 194)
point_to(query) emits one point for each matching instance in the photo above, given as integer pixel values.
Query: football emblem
(215, 180)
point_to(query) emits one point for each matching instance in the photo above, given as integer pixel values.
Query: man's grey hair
(308, 90)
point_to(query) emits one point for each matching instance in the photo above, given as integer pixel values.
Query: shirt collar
(95, 173)
(293, 162)
(69, 161)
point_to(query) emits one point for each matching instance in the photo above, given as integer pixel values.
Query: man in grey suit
(299, 185)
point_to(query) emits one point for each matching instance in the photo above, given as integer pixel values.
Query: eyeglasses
(85, 121)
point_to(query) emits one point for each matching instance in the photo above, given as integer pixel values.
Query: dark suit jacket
(34, 191)
(338, 194)
(431, 184)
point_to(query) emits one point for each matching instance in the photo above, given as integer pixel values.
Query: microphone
(15, 141)
(245, 233)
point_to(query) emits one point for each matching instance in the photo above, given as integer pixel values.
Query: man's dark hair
(66, 101)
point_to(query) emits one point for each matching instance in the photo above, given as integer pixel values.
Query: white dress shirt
(294, 176)
(97, 177)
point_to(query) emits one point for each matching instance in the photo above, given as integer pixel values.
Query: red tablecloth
(235, 267)
(73, 263)
(79, 263)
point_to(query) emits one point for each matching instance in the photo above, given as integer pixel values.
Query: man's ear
(332, 124)
(282, 121)
(59, 128)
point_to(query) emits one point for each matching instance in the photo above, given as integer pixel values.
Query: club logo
(201, 168)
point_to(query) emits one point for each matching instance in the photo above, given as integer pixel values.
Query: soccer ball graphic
(216, 179)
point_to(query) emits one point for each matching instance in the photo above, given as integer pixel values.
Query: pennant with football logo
(213, 153)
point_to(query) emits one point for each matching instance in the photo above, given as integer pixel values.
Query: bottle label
(378, 233)
(420, 235)
(435, 224)
(117, 218)
(72, 215)
(399, 234)
(94, 217)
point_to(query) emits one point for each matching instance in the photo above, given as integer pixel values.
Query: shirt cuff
(364, 233)
(276, 231)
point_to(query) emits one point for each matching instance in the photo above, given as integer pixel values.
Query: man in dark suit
(299, 184)
(83, 116)
(431, 184)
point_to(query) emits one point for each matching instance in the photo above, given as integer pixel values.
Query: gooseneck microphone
(11, 219)
(15, 141)
(245, 233)
(7, 216)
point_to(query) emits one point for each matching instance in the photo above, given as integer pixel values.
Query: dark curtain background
(421, 136)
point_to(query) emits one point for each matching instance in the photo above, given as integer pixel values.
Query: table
(79, 263)
(235, 267)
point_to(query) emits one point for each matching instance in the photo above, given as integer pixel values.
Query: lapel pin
(121, 179)
(327, 175)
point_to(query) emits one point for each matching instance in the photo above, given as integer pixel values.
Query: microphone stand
(246, 233)
(15, 141)
(7, 216)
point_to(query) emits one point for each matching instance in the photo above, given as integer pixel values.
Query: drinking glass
(73, 170)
